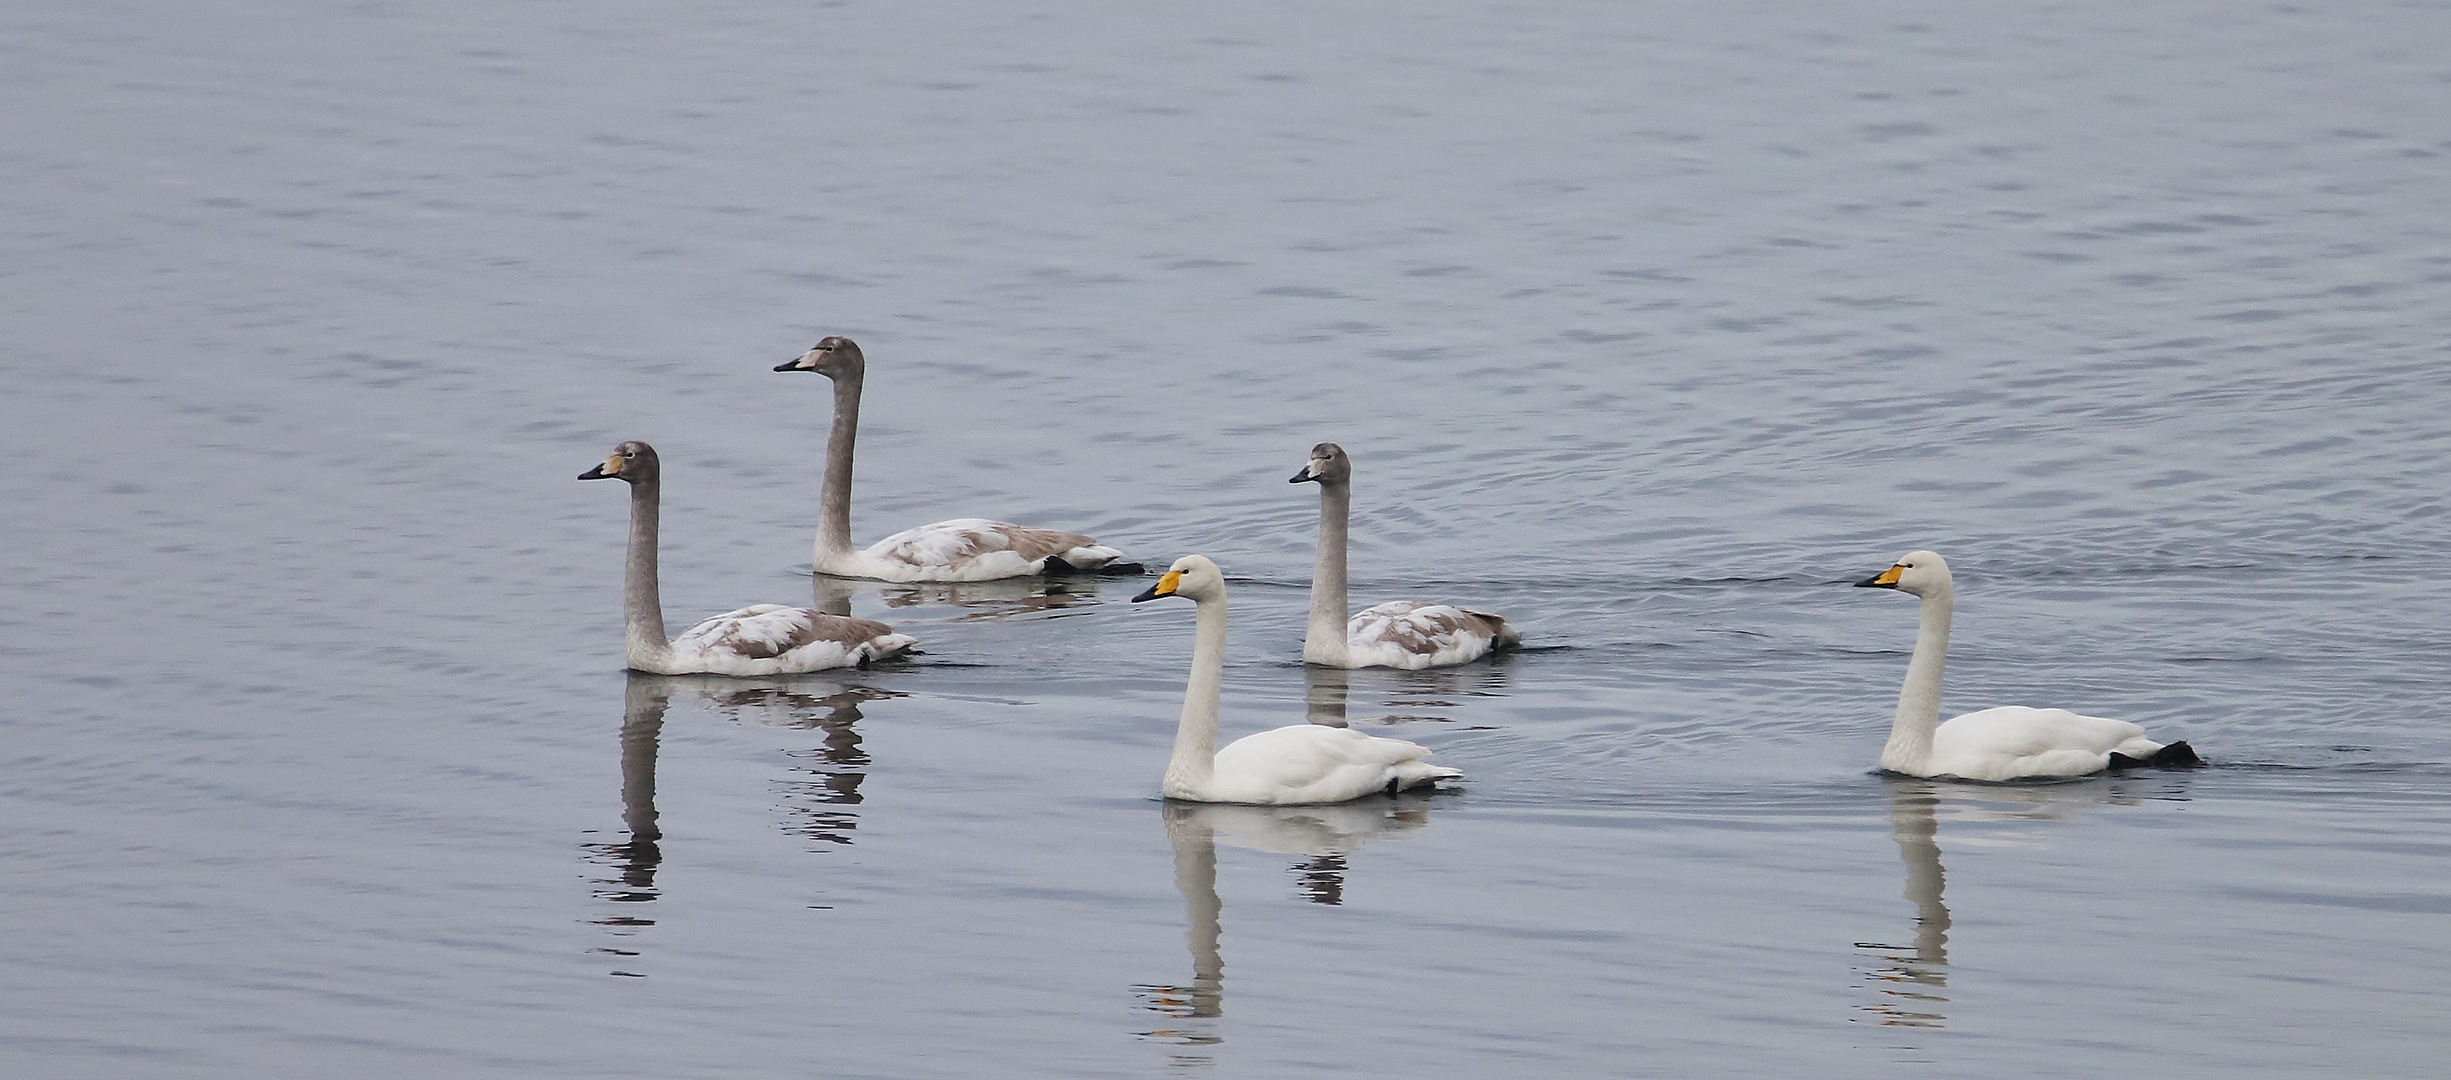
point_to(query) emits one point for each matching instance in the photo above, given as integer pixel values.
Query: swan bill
(607, 471)
(1304, 477)
(1165, 587)
(1886, 579)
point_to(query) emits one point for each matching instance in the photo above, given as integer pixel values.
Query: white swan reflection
(1910, 977)
(1323, 834)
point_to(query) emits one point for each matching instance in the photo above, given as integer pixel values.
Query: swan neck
(1910, 734)
(834, 497)
(642, 603)
(1195, 737)
(1324, 641)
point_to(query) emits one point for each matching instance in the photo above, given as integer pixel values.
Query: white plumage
(2012, 741)
(962, 549)
(1303, 763)
(1397, 634)
(763, 639)
(2005, 743)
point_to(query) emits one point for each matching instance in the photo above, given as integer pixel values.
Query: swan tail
(2177, 755)
(1096, 559)
(1417, 773)
(1502, 634)
(888, 646)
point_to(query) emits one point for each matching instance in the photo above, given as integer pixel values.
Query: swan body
(2006, 743)
(963, 549)
(762, 639)
(968, 549)
(1298, 764)
(1397, 634)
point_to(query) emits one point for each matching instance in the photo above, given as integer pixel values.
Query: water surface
(1649, 327)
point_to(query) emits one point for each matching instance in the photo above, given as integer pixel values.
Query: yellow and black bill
(1165, 587)
(1886, 579)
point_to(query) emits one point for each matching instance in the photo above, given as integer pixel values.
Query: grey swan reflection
(984, 601)
(634, 861)
(821, 804)
(1910, 978)
(1324, 834)
(822, 798)
(1406, 697)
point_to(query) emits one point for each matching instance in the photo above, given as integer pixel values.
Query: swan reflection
(1324, 835)
(821, 803)
(634, 861)
(1910, 977)
(1002, 599)
(1397, 697)
(821, 796)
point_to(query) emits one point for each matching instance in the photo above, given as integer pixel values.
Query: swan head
(633, 461)
(1328, 465)
(833, 357)
(1916, 573)
(1192, 577)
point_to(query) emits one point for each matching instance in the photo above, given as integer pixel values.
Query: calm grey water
(1649, 325)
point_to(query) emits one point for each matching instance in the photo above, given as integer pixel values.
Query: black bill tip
(596, 473)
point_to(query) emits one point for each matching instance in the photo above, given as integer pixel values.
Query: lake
(1651, 327)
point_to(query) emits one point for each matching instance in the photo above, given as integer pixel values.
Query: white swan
(963, 549)
(1303, 763)
(2005, 743)
(763, 639)
(1397, 634)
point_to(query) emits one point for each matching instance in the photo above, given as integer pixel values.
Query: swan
(762, 639)
(2006, 743)
(963, 549)
(1303, 763)
(1396, 634)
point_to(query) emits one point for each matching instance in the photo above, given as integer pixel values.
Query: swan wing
(765, 639)
(976, 549)
(1311, 763)
(2013, 741)
(1402, 634)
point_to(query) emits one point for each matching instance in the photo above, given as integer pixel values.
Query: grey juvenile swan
(762, 639)
(963, 549)
(1397, 634)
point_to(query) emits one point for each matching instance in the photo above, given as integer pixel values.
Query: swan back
(775, 639)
